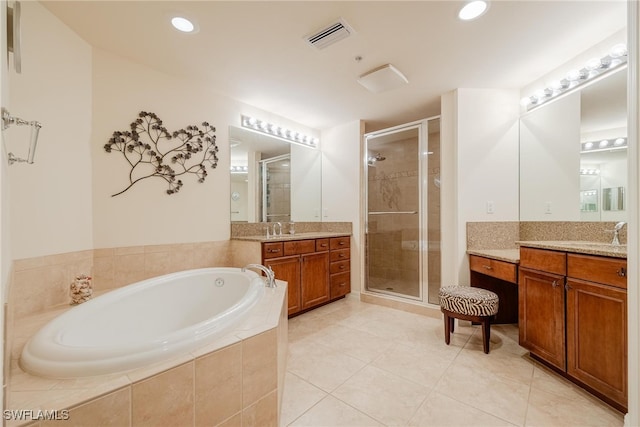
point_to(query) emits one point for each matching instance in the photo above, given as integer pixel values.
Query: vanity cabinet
(500, 277)
(314, 271)
(541, 304)
(573, 315)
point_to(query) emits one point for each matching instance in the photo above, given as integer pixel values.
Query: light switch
(547, 207)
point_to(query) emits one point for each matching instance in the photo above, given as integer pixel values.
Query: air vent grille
(329, 35)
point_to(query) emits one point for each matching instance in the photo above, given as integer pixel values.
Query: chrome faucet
(279, 232)
(616, 233)
(271, 277)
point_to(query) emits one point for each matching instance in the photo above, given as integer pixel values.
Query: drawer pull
(341, 256)
(622, 272)
(342, 267)
(488, 267)
(324, 245)
(555, 284)
(342, 285)
(567, 287)
(273, 250)
(341, 243)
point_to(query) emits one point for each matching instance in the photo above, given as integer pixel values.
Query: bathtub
(142, 323)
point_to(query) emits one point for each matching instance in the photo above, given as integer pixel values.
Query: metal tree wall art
(152, 151)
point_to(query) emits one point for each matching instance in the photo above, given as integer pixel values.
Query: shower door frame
(422, 127)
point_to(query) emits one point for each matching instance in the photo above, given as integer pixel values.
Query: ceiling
(255, 52)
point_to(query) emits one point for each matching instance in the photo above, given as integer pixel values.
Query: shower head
(371, 161)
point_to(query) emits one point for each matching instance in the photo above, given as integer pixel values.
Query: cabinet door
(315, 279)
(288, 269)
(541, 315)
(597, 337)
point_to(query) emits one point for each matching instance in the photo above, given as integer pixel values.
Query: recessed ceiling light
(182, 24)
(473, 10)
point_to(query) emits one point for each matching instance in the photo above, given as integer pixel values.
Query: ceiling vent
(329, 35)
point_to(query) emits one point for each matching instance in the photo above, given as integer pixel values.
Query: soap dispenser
(292, 227)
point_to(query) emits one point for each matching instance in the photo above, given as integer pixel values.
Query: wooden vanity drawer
(272, 250)
(339, 267)
(322, 245)
(339, 242)
(297, 247)
(544, 260)
(494, 268)
(340, 255)
(340, 284)
(600, 269)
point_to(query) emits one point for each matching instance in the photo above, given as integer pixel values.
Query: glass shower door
(394, 205)
(276, 189)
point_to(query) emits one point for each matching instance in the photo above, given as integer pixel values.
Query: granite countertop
(298, 236)
(507, 255)
(581, 247)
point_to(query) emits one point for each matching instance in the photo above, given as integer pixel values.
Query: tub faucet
(616, 233)
(279, 232)
(271, 277)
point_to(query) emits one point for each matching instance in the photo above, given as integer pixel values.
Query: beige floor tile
(386, 397)
(417, 365)
(298, 397)
(320, 365)
(418, 379)
(359, 344)
(467, 381)
(443, 411)
(545, 409)
(332, 412)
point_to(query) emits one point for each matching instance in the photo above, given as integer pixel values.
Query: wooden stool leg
(452, 324)
(486, 333)
(447, 328)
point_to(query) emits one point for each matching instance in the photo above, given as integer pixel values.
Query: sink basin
(596, 245)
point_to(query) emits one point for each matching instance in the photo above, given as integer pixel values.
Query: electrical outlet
(490, 207)
(547, 207)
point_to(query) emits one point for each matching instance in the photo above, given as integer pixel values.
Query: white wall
(51, 200)
(341, 185)
(145, 214)
(479, 164)
(306, 183)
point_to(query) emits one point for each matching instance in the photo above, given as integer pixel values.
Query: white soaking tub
(142, 323)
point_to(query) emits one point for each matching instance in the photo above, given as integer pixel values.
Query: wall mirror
(572, 150)
(273, 180)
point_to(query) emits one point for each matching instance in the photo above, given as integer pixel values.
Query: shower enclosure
(403, 211)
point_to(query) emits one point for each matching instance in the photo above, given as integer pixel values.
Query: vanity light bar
(276, 131)
(603, 145)
(239, 169)
(589, 171)
(593, 68)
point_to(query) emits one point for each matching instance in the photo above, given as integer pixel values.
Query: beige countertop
(298, 236)
(507, 255)
(581, 247)
(575, 246)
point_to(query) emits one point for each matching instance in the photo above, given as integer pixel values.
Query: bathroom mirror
(557, 173)
(273, 180)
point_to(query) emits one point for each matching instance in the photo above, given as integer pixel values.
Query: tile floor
(357, 364)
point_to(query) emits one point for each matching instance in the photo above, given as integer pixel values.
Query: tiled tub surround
(39, 290)
(237, 380)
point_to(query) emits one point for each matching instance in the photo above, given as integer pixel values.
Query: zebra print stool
(466, 303)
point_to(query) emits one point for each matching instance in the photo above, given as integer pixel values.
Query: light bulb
(588, 145)
(473, 10)
(619, 50)
(182, 24)
(603, 143)
(593, 64)
(618, 142)
(573, 75)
